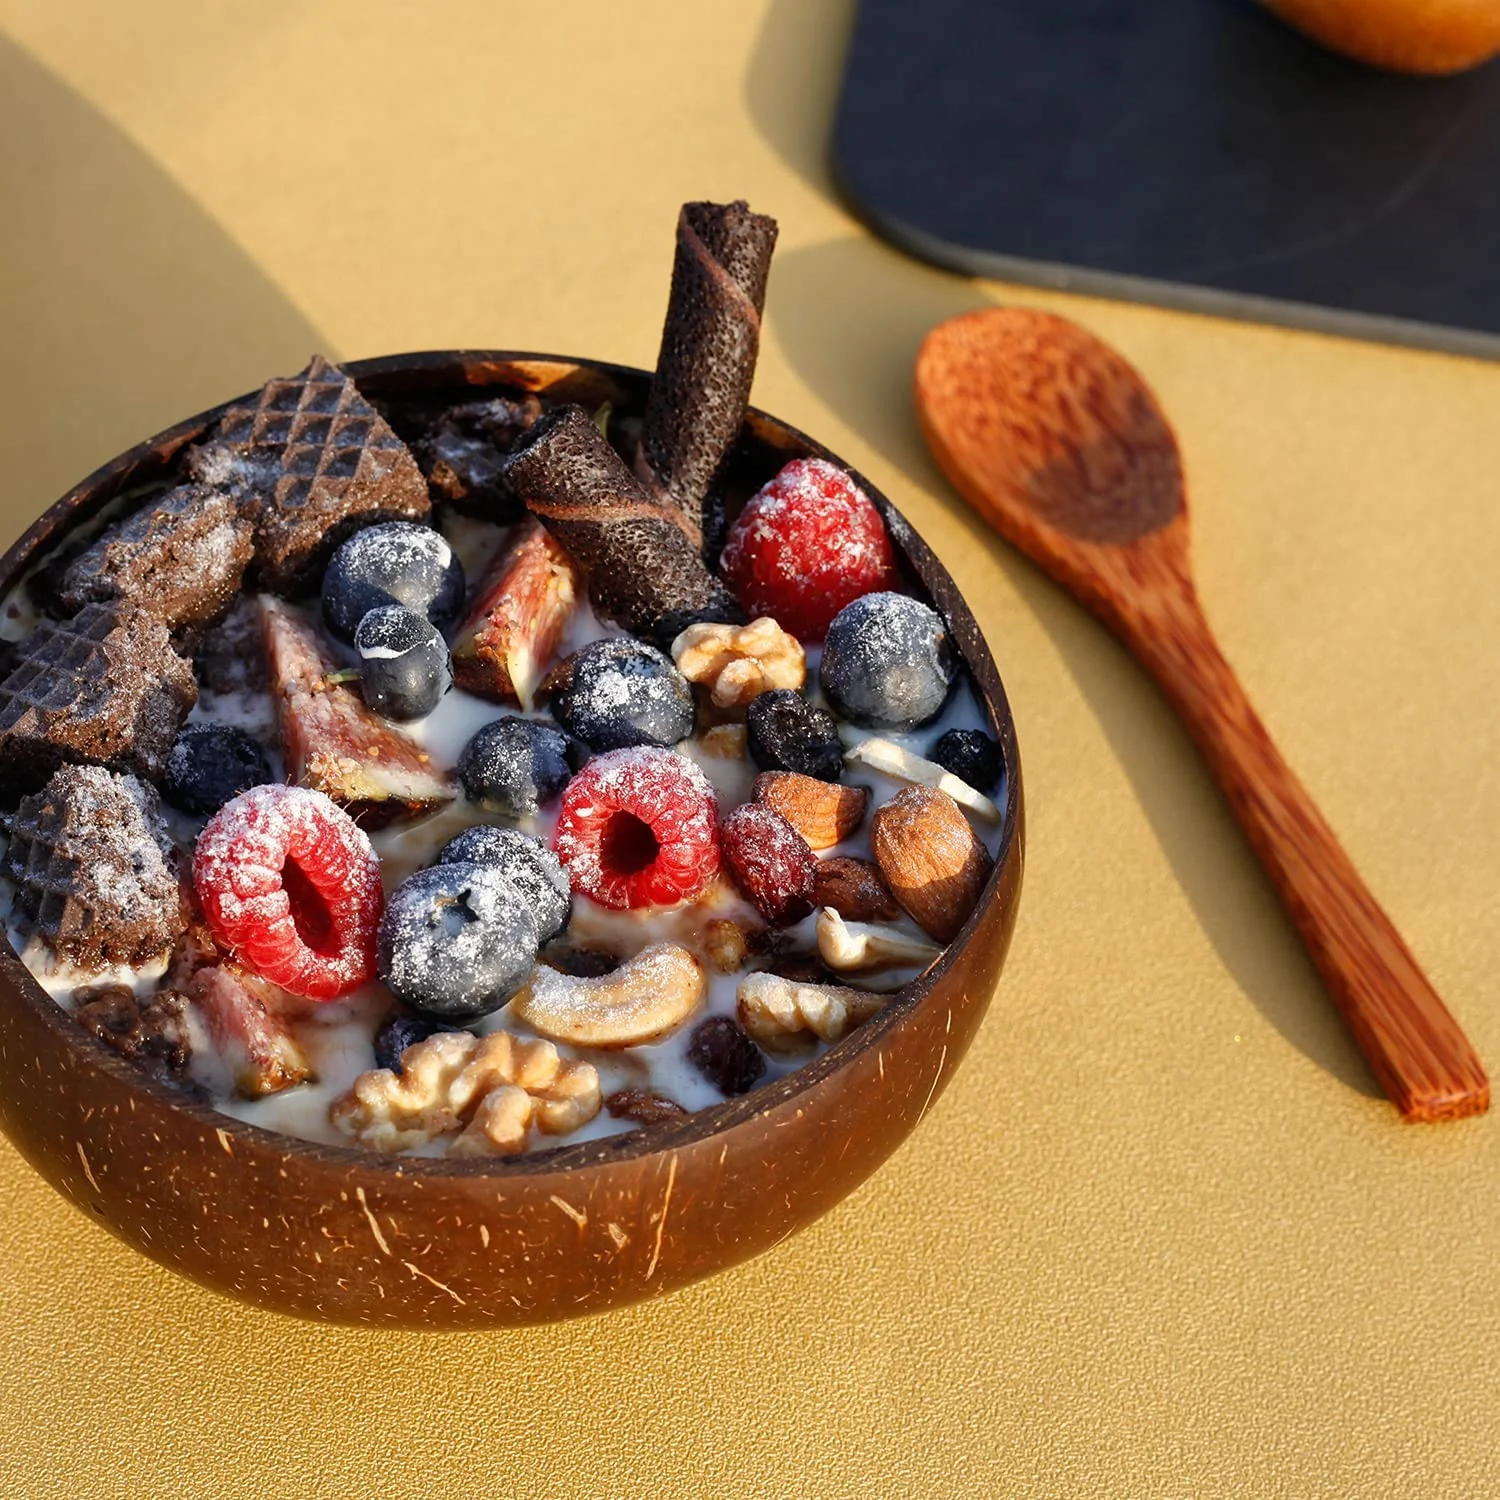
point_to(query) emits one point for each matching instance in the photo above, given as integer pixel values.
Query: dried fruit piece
(770, 862)
(254, 1043)
(896, 760)
(644, 1106)
(331, 740)
(823, 812)
(290, 885)
(787, 733)
(646, 998)
(736, 663)
(783, 1013)
(491, 1088)
(931, 859)
(725, 1055)
(519, 614)
(639, 827)
(855, 889)
(972, 756)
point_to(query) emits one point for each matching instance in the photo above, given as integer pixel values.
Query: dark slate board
(1195, 153)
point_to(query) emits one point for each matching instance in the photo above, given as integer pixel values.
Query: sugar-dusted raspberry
(291, 887)
(806, 545)
(639, 827)
(770, 861)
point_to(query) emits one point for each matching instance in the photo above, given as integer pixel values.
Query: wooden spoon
(1060, 444)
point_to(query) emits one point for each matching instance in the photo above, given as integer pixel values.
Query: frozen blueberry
(723, 1053)
(888, 662)
(621, 692)
(404, 663)
(456, 941)
(400, 1031)
(395, 563)
(972, 756)
(529, 865)
(211, 763)
(784, 732)
(514, 765)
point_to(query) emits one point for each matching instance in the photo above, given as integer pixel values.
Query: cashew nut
(492, 1088)
(779, 1013)
(846, 946)
(642, 1001)
(896, 760)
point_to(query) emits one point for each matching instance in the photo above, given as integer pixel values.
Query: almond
(855, 889)
(823, 812)
(931, 859)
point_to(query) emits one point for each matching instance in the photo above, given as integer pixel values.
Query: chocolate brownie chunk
(105, 686)
(180, 559)
(461, 449)
(95, 869)
(315, 462)
(146, 1029)
(230, 657)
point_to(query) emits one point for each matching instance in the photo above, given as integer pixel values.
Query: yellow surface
(1158, 1238)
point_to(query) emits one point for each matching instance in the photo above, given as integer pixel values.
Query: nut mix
(454, 780)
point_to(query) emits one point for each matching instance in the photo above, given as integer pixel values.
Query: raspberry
(639, 827)
(805, 546)
(770, 861)
(290, 885)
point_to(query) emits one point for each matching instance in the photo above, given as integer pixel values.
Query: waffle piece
(315, 461)
(105, 686)
(640, 552)
(331, 740)
(461, 449)
(95, 870)
(709, 345)
(180, 559)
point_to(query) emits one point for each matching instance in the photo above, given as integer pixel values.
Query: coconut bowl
(346, 1235)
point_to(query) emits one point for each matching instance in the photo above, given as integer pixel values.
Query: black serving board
(1196, 153)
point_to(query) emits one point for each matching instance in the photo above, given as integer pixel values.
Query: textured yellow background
(1158, 1238)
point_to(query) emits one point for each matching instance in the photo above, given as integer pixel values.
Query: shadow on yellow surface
(123, 306)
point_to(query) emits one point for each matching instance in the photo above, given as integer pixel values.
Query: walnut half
(739, 662)
(486, 1091)
(781, 1013)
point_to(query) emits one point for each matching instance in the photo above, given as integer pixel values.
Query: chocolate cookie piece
(314, 461)
(709, 346)
(181, 559)
(94, 868)
(147, 1029)
(641, 554)
(462, 449)
(230, 656)
(105, 686)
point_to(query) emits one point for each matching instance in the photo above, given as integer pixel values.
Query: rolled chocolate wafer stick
(708, 350)
(639, 551)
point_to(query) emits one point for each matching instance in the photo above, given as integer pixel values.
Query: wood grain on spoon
(1061, 445)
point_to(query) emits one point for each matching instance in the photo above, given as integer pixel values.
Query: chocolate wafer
(94, 868)
(315, 461)
(709, 346)
(105, 686)
(640, 552)
(181, 559)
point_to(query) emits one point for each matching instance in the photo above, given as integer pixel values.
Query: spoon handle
(1418, 1053)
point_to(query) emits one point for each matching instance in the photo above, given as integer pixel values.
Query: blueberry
(514, 765)
(972, 756)
(404, 662)
(529, 865)
(398, 1032)
(784, 732)
(723, 1053)
(209, 764)
(888, 662)
(395, 563)
(456, 941)
(621, 692)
